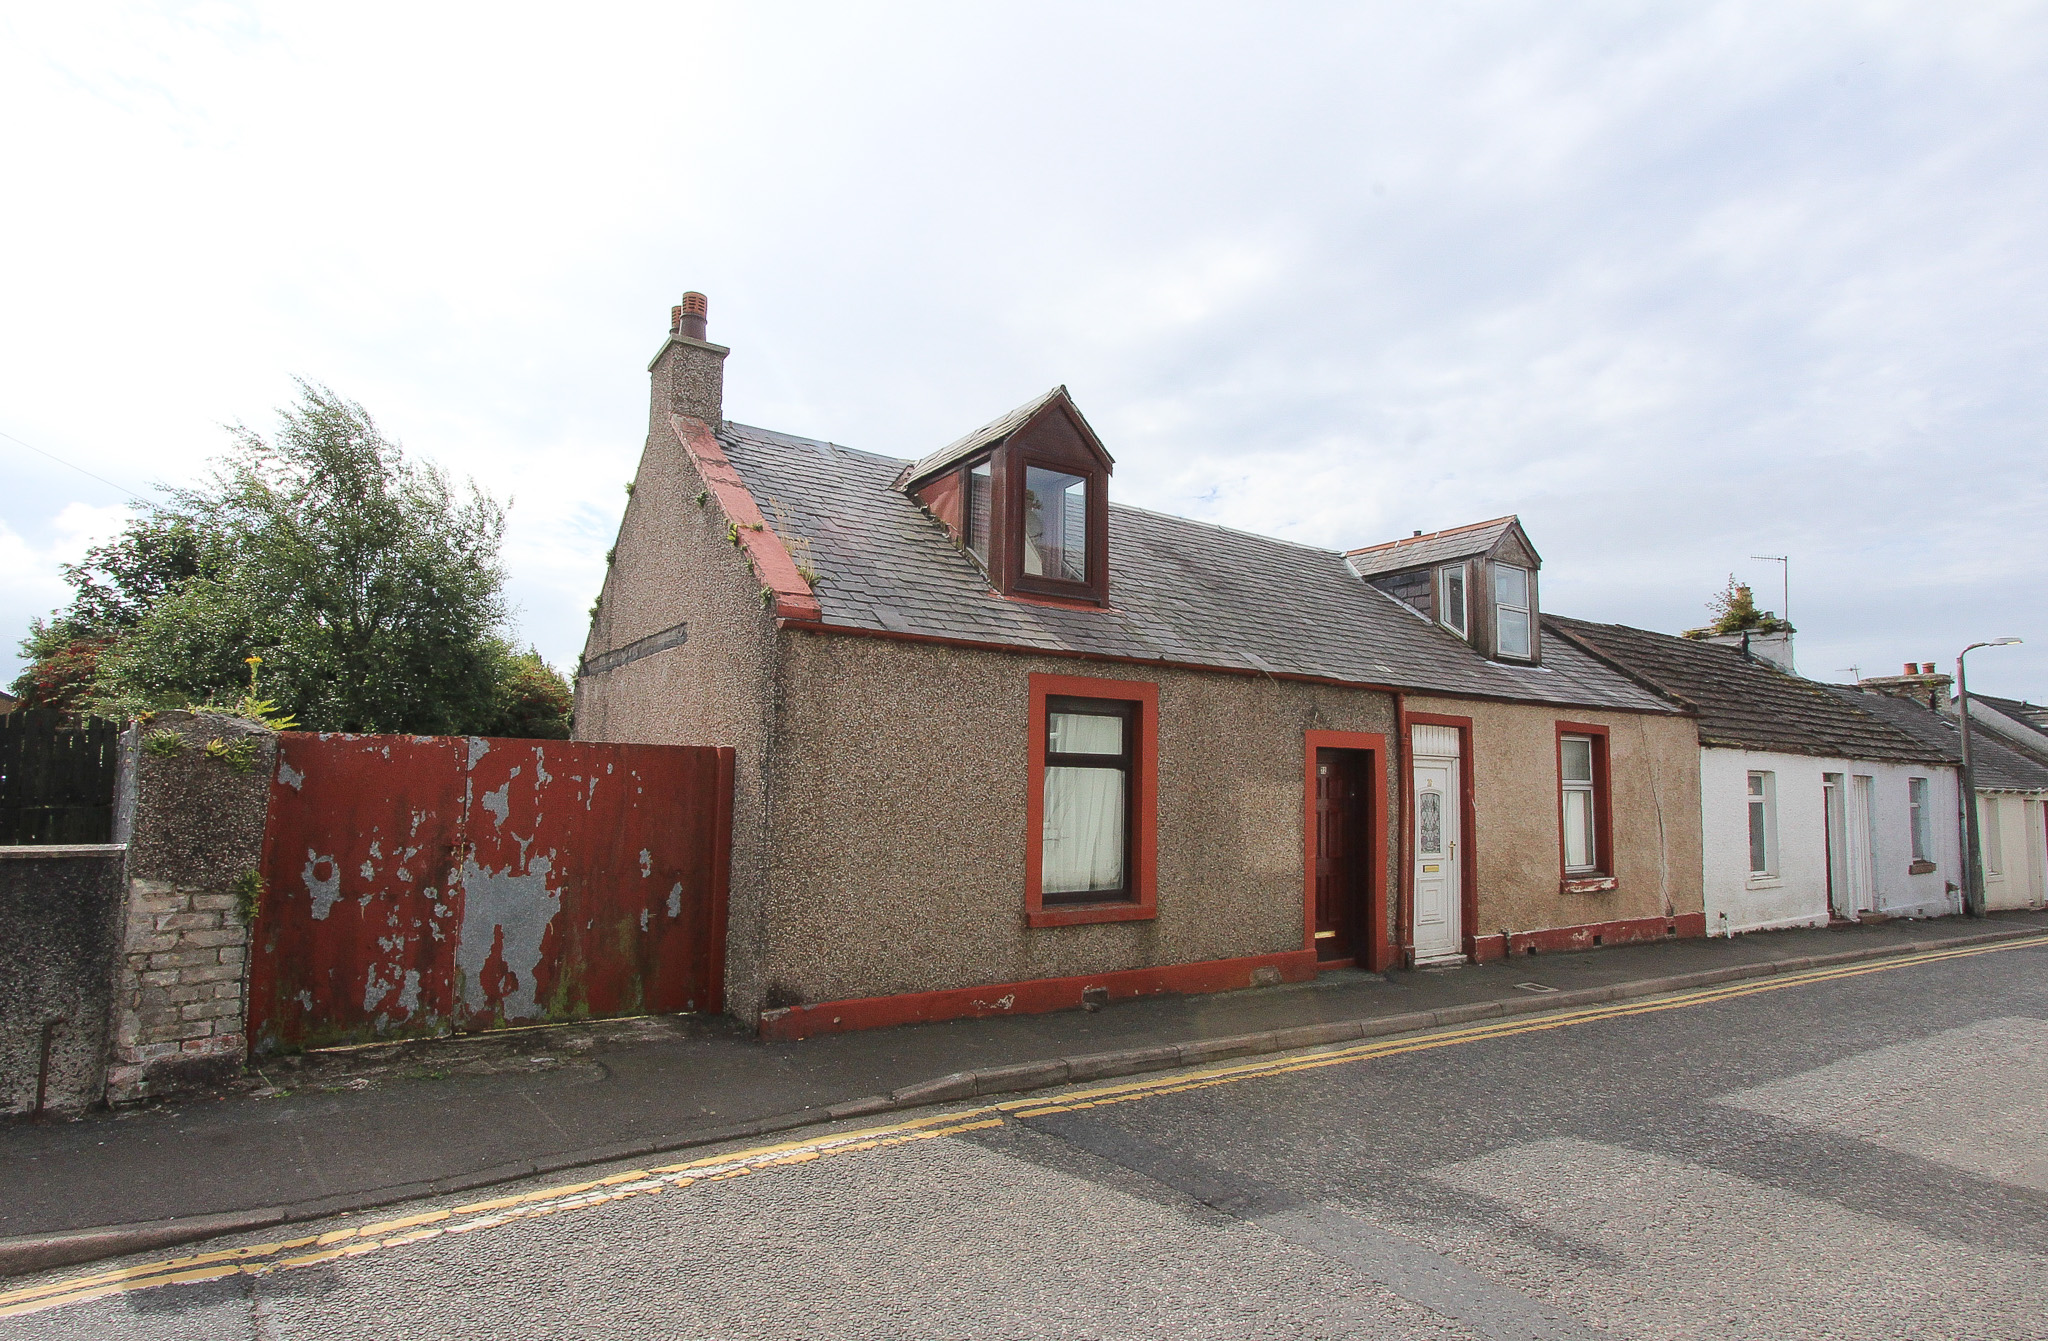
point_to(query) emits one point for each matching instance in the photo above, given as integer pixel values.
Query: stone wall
(61, 910)
(201, 794)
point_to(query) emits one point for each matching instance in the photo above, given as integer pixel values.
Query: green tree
(533, 699)
(1734, 611)
(113, 587)
(370, 586)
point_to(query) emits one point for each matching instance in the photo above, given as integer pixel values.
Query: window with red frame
(1092, 816)
(1089, 791)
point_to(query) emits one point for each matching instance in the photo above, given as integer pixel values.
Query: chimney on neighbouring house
(689, 372)
(1919, 683)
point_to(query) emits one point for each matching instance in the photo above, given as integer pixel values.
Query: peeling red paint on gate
(417, 884)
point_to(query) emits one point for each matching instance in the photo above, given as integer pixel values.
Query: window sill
(1920, 868)
(1057, 602)
(1080, 914)
(1764, 882)
(1589, 884)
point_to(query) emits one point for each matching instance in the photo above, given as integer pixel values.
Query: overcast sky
(1679, 284)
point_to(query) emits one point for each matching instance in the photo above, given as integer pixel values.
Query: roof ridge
(1432, 535)
(1231, 530)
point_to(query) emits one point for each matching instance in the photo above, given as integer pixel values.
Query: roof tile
(1746, 704)
(1180, 590)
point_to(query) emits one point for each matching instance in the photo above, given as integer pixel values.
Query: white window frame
(1526, 610)
(1764, 799)
(1920, 821)
(1585, 787)
(1464, 577)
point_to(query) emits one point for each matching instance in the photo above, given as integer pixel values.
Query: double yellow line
(289, 1254)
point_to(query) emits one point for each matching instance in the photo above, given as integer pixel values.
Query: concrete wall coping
(30, 850)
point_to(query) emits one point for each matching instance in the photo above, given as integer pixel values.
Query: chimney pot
(1912, 669)
(675, 318)
(1927, 668)
(1417, 535)
(690, 317)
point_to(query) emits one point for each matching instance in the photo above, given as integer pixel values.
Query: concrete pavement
(370, 1127)
(1847, 1152)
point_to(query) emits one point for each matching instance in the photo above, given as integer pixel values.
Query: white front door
(1438, 933)
(1862, 844)
(1833, 812)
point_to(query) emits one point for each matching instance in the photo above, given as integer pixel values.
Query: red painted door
(1341, 848)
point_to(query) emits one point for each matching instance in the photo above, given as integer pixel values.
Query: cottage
(2019, 722)
(1576, 825)
(1002, 742)
(1813, 807)
(2011, 783)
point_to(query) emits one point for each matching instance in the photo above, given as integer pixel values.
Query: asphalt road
(1858, 1152)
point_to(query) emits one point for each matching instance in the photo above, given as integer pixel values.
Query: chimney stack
(689, 372)
(1920, 684)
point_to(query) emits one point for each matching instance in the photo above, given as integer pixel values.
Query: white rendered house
(2009, 761)
(1795, 840)
(1813, 807)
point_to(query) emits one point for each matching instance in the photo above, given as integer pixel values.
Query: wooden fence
(56, 778)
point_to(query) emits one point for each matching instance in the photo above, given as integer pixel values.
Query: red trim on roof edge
(794, 598)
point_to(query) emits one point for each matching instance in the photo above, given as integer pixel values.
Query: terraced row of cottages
(1002, 741)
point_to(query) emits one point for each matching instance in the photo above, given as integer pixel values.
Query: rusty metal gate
(417, 884)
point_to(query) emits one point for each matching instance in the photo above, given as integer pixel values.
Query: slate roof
(1459, 542)
(988, 435)
(1746, 704)
(1180, 591)
(1996, 765)
(2030, 715)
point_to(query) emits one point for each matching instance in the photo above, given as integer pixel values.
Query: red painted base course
(1487, 949)
(1028, 998)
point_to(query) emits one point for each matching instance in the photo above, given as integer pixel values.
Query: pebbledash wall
(61, 906)
(1518, 897)
(879, 815)
(714, 681)
(1796, 892)
(899, 816)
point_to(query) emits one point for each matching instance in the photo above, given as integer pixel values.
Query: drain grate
(1534, 987)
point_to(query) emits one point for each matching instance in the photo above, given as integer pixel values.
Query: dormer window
(1511, 611)
(1055, 524)
(1028, 497)
(1475, 582)
(1450, 591)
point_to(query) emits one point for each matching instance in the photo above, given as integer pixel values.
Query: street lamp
(1973, 865)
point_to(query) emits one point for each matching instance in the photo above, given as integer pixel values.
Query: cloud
(1676, 285)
